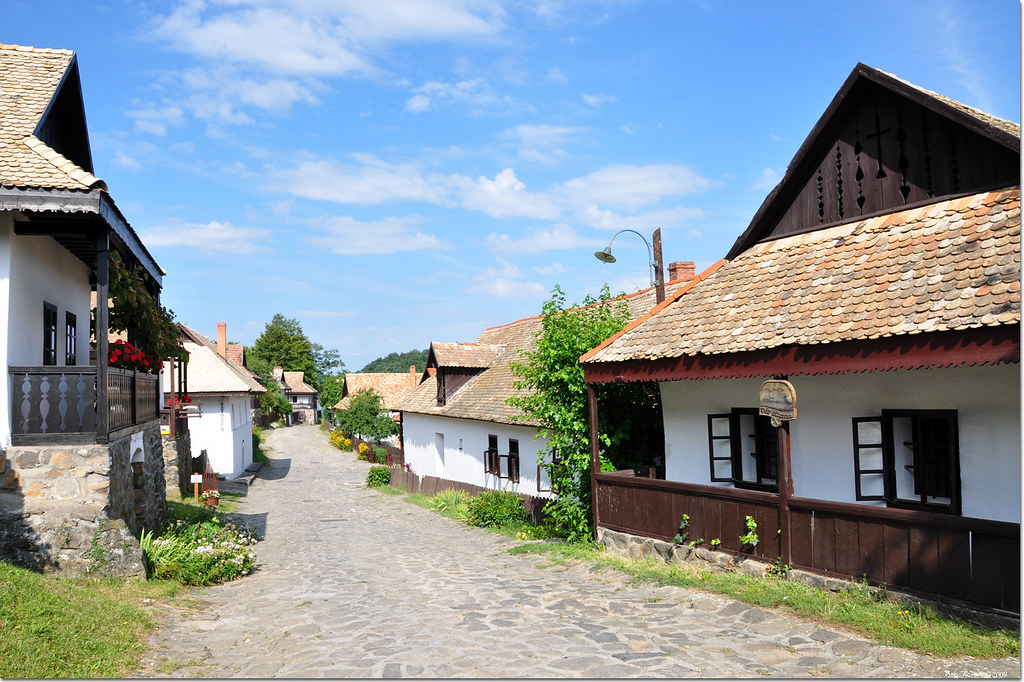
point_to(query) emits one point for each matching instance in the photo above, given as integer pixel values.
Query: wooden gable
(881, 146)
(62, 127)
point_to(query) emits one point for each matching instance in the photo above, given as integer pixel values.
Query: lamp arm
(650, 254)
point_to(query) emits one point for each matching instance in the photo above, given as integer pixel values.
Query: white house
(849, 375)
(59, 229)
(301, 396)
(457, 424)
(223, 392)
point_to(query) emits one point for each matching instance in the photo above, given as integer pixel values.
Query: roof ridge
(30, 48)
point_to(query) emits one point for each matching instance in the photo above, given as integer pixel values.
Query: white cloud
(505, 197)
(506, 281)
(157, 119)
(598, 100)
(476, 94)
(559, 236)
(346, 235)
(630, 188)
(767, 180)
(125, 161)
(370, 182)
(540, 143)
(664, 217)
(555, 75)
(209, 238)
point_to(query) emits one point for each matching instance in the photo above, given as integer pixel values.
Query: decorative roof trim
(970, 347)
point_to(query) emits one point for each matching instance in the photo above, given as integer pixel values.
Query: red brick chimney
(412, 375)
(222, 339)
(681, 269)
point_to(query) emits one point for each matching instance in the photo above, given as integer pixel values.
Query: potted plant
(210, 497)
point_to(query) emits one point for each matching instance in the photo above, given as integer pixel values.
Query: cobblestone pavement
(355, 583)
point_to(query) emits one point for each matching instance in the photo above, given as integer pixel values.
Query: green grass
(57, 627)
(867, 611)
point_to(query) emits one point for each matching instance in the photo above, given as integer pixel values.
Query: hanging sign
(196, 478)
(778, 401)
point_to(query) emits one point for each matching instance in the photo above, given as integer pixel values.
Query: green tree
(398, 362)
(366, 417)
(284, 344)
(556, 400)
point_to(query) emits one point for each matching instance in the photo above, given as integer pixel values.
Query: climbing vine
(134, 307)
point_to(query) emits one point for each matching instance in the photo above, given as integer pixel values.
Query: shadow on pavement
(276, 470)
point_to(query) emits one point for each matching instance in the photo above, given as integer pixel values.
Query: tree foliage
(134, 309)
(284, 344)
(398, 362)
(556, 399)
(366, 417)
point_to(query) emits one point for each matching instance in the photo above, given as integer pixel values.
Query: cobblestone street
(355, 583)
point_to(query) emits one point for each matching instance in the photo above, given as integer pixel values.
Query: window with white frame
(909, 459)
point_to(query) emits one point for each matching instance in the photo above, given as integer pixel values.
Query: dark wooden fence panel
(935, 555)
(46, 401)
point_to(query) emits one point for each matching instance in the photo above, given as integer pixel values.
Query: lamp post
(657, 277)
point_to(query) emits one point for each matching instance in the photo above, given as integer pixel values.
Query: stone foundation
(76, 509)
(178, 462)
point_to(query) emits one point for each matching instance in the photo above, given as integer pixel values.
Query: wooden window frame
(49, 334)
(762, 431)
(70, 339)
(492, 459)
(891, 495)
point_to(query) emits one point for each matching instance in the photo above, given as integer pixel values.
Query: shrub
(199, 549)
(340, 440)
(380, 454)
(378, 476)
(496, 508)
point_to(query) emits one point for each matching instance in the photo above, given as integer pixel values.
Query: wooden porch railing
(934, 555)
(58, 404)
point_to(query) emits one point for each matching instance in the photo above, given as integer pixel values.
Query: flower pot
(212, 501)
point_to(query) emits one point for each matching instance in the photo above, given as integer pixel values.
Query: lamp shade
(605, 256)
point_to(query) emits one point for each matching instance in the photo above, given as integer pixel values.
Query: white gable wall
(224, 431)
(464, 442)
(34, 270)
(987, 400)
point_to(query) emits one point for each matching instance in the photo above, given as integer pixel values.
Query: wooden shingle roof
(30, 81)
(390, 386)
(953, 265)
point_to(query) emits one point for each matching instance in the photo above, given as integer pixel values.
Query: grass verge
(60, 628)
(873, 614)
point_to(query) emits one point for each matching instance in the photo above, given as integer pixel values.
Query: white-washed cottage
(849, 375)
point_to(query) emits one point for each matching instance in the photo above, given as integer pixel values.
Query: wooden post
(102, 330)
(595, 451)
(785, 493)
(659, 274)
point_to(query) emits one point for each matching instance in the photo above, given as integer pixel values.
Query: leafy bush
(451, 503)
(496, 508)
(378, 476)
(199, 549)
(380, 454)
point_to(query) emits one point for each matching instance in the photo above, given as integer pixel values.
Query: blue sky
(395, 172)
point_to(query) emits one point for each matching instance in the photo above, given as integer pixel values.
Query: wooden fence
(934, 555)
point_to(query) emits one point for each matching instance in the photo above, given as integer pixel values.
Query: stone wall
(178, 462)
(75, 509)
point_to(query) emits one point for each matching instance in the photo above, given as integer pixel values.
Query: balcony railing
(59, 404)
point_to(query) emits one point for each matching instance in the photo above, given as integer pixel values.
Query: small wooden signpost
(196, 479)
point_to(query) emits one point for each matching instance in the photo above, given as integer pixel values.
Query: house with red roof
(848, 376)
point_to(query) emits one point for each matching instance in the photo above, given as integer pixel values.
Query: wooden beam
(102, 330)
(595, 451)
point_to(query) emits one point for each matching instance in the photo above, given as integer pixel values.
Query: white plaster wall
(225, 432)
(464, 443)
(33, 270)
(987, 400)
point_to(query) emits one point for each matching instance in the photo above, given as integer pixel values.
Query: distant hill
(398, 362)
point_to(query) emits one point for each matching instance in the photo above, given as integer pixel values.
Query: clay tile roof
(469, 355)
(29, 81)
(390, 386)
(484, 397)
(295, 382)
(946, 266)
(208, 372)
(236, 353)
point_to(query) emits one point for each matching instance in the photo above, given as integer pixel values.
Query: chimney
(222, 339)
(412, 375)
(681, 269)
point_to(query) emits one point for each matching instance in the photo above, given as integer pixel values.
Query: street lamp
(657, 280)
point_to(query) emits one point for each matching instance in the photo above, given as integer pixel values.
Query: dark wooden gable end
(62, 126)
(883, 145)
